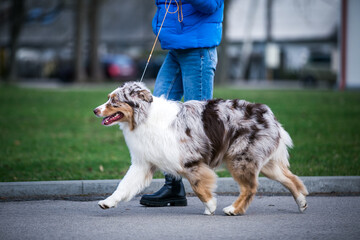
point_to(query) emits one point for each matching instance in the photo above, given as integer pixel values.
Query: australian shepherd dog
(191, 139)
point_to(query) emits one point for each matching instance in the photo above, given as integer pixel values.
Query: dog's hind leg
(279, 172)
(248, 182)
(203, 181)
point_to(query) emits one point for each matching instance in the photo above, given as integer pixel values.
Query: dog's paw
(301, 202)
(107, 203)
(210, 207)
(230, 210)
(207, 212)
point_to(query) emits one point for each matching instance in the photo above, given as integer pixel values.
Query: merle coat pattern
(193, 138)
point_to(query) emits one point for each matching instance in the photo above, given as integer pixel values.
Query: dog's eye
(115, 103)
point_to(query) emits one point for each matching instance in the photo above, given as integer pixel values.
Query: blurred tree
(93, 20)
(269, 21)
(17, 19)
(17, 16)
(79, 8)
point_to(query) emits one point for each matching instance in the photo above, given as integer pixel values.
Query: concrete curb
(344, 185)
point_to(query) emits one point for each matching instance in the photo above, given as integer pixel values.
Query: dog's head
(126, 104)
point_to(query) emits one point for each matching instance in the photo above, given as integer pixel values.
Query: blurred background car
(113, 67)
(118, 66)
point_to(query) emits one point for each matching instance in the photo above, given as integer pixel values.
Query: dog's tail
(281, 154)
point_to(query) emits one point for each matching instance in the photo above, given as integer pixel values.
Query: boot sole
(164, 203)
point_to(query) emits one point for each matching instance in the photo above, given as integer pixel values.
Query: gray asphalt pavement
(275, 217)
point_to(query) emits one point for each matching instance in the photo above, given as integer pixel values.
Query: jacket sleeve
(206, 6)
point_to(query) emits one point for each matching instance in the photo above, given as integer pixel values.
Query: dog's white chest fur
(155, 138)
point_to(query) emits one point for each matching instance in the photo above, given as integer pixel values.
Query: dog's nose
(96, 111)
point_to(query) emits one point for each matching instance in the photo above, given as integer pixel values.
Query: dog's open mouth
(112, 118)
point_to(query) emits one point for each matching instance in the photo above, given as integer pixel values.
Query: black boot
(173, 193)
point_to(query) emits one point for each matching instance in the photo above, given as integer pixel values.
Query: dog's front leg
(136, 179)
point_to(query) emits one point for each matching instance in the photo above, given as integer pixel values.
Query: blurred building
(288, 39)
(349, 76)
(46, 42)
(266, 39)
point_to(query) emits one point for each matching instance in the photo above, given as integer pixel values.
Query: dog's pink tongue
(112, 118)
(103, 121)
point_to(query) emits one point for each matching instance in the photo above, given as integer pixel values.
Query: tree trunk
(93, 19)
(79, 74)
(17, 16)
(269, 6)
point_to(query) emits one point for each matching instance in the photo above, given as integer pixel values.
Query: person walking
(191, 32)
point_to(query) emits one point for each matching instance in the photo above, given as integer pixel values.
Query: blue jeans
(187, 73)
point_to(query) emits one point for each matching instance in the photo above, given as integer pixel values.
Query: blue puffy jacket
(201, 25)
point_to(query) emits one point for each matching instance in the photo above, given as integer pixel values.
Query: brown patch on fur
(238, 133)
(235, 104)
(248, 187)
(245, 174)
(109, 110)
(114, 99)
(192, 163)
(279, 172)
(145, 96)
(214, 128)
(188, 132)
(295, 180)
(132, 104)
(202, 181)
(253, 134)
(125, 109)
(259, 115)
(256, 110)
(248, 111)
(128, 115)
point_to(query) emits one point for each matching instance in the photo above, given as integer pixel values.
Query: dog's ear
(145, 96)
(115, 99)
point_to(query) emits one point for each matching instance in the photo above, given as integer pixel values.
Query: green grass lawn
(54, 135)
